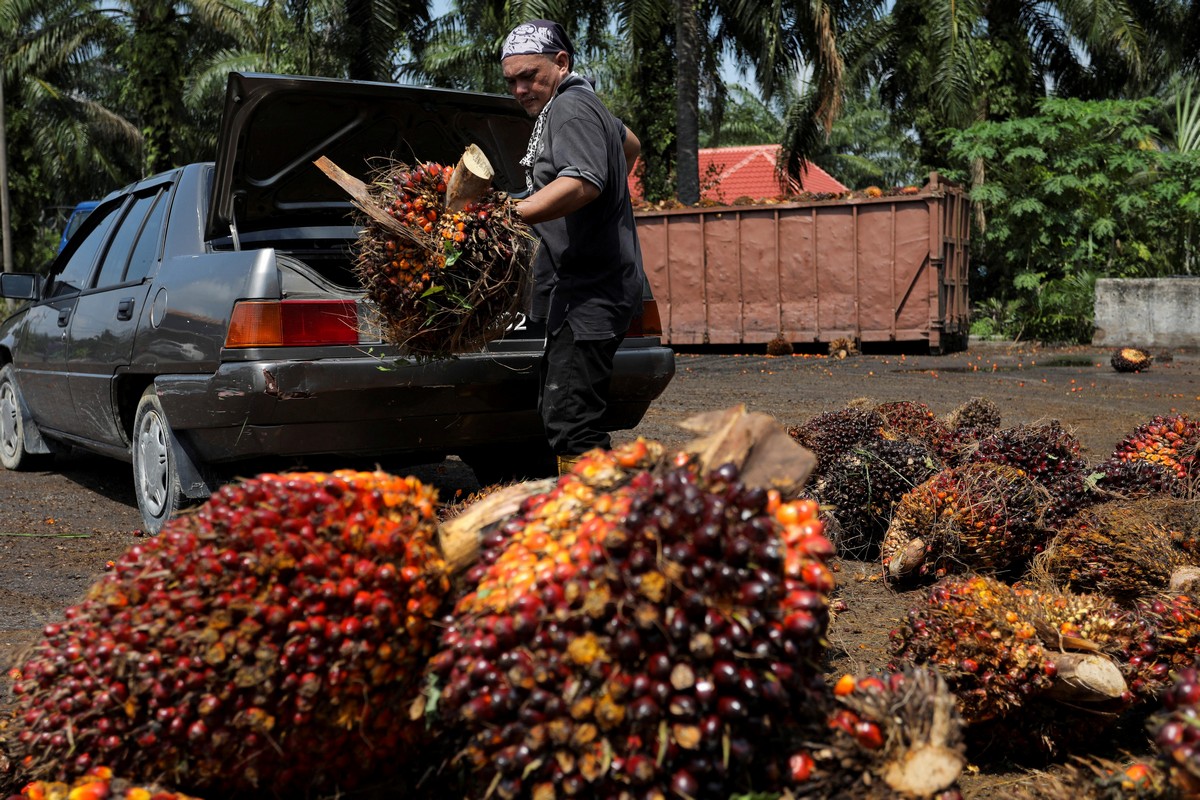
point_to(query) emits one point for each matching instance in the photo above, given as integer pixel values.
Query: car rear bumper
(368, 406)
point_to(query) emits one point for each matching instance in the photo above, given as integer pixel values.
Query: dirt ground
(59, 527)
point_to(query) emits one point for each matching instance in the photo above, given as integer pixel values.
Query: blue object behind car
(79, 214)
(211, 314)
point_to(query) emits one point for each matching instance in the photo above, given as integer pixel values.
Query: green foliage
(1075, 192)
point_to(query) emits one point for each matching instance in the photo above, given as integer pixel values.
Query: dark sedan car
(210, 314)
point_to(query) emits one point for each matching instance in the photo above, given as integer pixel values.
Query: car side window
(146, 249)
(73, 276)
(120, 247)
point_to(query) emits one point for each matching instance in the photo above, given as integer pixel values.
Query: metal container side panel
(760, 275)
(836, 267)
(669, 246)
(722, 275)
(798, 296)
(897, 235)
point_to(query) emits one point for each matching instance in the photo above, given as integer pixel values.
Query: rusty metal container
(886, 269)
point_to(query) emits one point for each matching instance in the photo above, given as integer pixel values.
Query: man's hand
(560, 197)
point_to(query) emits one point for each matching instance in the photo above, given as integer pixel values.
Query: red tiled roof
(727, 173)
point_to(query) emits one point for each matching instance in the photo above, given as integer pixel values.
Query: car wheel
(155, 476)
(13, 454)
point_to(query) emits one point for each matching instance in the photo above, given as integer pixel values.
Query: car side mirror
(20, 285)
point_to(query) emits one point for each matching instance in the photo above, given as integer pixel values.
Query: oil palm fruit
(978, 414)
(1045, 452)
(1111, 479)
(1167, 440)
(909, 419)
(657, 637)
(1131, 359)
(1176, 731)
(98, 784)
(862, 486)
(1119, 549)
(282, 628)
(831, 433)
(981, 516)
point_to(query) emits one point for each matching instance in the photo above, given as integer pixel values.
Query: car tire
(155, 474)
(13, 454)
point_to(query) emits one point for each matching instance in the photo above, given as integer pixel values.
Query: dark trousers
(574, 380)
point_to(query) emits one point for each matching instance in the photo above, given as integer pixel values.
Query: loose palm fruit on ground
(831, 433)
(1119, 549)
(282, 627)
(862, 486)
(1170, 441)
(97, 784)
(1131, 359)
(1176, 731)
(895, 735)
(656, 637)
(1044, 452)
(980, 516)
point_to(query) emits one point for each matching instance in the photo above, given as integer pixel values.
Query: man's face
(533, 79)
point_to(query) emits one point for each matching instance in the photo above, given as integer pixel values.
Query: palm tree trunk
(687, 103)
(5, 221)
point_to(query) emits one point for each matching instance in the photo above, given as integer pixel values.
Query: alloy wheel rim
(9, 427)
(152, 463)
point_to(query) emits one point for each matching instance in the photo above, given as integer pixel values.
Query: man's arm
(558, 198)
(632, 147)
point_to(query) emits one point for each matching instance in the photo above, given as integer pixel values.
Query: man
(588, 272)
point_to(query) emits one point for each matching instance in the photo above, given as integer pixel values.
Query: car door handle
(64, 316)
(125, 308)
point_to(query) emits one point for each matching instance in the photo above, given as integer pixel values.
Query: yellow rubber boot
(565, 463)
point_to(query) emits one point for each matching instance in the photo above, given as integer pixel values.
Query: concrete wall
(1148, 312)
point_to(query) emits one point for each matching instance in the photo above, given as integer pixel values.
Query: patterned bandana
(539, 36)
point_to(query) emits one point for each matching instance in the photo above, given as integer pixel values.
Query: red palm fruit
(1170, 441)
(831, 433)
(1045, 452)
(186, 678)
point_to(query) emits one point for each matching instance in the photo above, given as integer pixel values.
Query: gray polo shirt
(588, 268)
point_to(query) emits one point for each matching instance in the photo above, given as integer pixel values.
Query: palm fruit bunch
(977, 414)
(1170, 441)
(842, 347)
(281, 627)
(980, 516)
(831, 433)
(443, 281)
(1131, 359)
(1119, 549)
(970, 628)
(1171, 641)
(1111, 479)
(862, 486)
(1044, 452)
(1031, 671)
(912, 420)
(896, 735)
(97, 784)
(1176, 731)
(780, 345)
(657, 636)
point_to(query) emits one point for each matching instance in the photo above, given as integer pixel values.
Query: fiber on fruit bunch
(982, 516)
(1176, 731)
(1111, 479)
(272, 638)
(1097, 779)
(659, 632)
(895, 735)
(98, 784)
(862, 486)
(977, 414)
(444, 282)
(1120, 549)
(1167, 440)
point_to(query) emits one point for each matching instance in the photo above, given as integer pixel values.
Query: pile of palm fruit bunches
(444, 281)
(650, 625)
(1057, 598)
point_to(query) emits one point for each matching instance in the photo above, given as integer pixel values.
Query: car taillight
(292, 323)
(649, 323)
